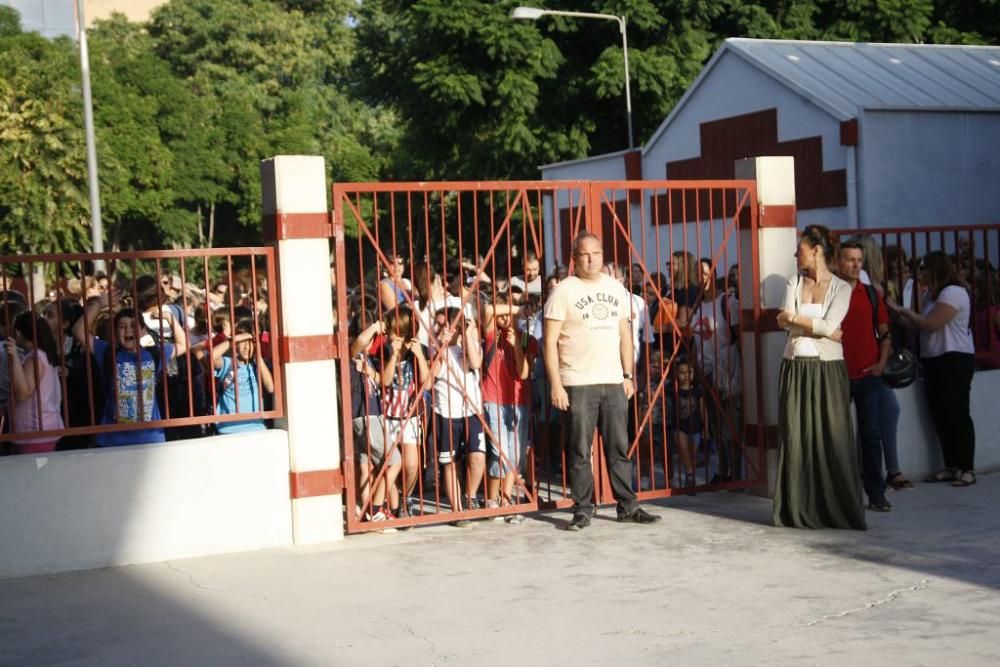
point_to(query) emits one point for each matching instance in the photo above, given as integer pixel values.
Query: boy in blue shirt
(130, 395)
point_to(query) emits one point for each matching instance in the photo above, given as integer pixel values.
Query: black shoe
(879, 505)
(579, 522)
(638, 516)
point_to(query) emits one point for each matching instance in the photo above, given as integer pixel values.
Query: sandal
(945, 475)
(967, 478)
(899, 482)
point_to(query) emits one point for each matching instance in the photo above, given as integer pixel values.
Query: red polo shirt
(860, 345)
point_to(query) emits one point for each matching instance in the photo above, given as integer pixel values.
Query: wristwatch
(627, 376)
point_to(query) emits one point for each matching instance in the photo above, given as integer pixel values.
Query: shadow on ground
(934, 529)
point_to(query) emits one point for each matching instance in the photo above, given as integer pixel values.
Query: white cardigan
(835, 305)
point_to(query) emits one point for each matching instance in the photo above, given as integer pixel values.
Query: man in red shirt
(866, 349)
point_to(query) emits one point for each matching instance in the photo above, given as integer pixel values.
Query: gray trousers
(590, 407)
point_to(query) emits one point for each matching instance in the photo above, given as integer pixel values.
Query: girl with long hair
(819, 480)
(35, 386)
(947, 353)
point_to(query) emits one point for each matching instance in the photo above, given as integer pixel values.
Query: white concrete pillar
(776, 237)
(297, 221)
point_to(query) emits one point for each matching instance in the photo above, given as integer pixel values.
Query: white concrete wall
(928, 168)
(919, 452)
(96, 508)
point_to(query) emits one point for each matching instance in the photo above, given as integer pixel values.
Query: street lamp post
(533, 14)
(96, 228)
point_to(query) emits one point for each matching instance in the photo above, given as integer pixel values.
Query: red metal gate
(427, 246)
(695, 354)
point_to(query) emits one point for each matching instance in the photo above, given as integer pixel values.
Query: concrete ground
(712, 584)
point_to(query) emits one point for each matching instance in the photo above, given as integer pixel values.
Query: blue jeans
(890, 423)
(509, 424)
(866, 393)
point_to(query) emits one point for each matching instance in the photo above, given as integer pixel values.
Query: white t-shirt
(425, 316)
(534, 287)
(955, 336)
(590, 338)
(718, 357)
(642, 330)
(456, 391)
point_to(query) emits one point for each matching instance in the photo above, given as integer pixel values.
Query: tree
(43, 201)
(136, 167)
(274, 75)
(481, 96)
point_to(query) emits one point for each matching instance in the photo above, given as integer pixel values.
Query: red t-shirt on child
(501, 383)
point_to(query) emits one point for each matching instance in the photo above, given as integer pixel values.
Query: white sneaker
(493, 505)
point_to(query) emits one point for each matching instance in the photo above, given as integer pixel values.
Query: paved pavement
(712, 584)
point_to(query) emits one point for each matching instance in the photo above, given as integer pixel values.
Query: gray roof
(845, 77)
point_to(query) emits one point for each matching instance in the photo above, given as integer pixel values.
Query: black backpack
(902, 367)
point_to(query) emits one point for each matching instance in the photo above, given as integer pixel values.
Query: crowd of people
(112, 350)
(449, 373)
(844, 324)
(484, 403)
(478, 383)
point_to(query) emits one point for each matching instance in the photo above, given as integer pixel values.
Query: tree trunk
(201, 232)
(211, 224)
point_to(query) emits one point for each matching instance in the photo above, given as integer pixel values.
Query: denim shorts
(454, 438)
(509, 424)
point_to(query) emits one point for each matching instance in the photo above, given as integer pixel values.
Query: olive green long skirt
(819, 478)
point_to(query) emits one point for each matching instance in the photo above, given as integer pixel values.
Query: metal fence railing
(893, 257)
(159, 345)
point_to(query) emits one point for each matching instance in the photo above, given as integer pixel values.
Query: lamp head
(527, 13)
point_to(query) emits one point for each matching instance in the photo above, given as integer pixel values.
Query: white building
(883, 135)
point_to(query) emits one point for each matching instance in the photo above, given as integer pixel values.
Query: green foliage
(43, 204)
(188, 104)
(482, 96)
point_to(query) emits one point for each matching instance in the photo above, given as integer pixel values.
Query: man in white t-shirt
(590, 364)
(532, 281)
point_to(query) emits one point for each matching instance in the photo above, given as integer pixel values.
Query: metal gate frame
(591, 205)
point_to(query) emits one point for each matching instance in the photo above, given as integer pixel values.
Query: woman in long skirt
(819, 480)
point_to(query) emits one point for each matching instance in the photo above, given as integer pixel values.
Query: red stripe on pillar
(308, 348)
(316, 483)
(284, 226)
(768, 322)
(777, 216)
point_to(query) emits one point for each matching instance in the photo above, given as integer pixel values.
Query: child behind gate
(238, 387)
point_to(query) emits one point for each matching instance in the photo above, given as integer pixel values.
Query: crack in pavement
(871, 605)
(646, 633)
(408, 629)
(217, 589)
